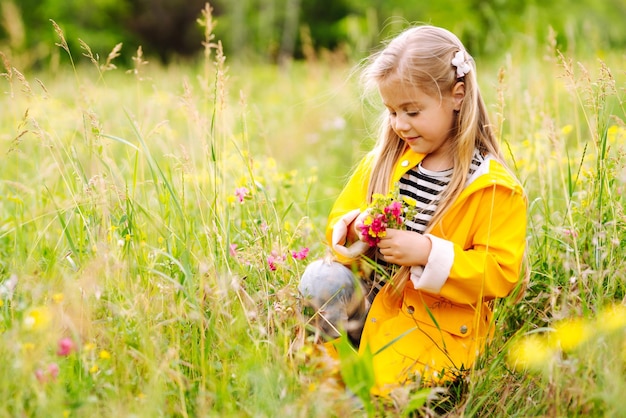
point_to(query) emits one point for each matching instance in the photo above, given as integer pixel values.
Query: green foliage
(152, 216)
(277, 29)
(357, 371)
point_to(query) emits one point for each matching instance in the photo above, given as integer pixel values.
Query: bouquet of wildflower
(388, 211)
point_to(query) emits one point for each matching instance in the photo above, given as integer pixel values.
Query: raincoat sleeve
(486, 263)
(352, 199)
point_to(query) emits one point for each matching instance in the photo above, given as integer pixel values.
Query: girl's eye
(412, 114)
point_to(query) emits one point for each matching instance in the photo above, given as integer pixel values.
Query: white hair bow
(462, 65)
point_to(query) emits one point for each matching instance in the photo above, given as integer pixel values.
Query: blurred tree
(323, 19)
(166, 27)
(97, 22)
(272, 29)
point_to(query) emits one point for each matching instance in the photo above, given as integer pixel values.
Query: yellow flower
(612, 318)
(94, 369)
(613, 133)
(530, 352)
(57, 297)
(28, 347)
(409, 201)
(37, 318)
(566, 129)
(1, 303)
(89, 347)
(104, 354)
(570, 333)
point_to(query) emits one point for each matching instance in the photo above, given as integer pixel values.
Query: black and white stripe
(426, 187)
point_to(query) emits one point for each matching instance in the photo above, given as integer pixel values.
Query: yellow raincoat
(443, 319)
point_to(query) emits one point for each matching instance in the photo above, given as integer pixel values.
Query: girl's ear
(458, 94)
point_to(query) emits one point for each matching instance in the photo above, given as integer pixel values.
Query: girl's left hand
(405, 248)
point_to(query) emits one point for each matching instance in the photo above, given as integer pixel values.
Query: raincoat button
(410, 310)
(405, 163)
(373, 319)
(463, 329)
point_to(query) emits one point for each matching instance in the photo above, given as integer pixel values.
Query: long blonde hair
(422, 56)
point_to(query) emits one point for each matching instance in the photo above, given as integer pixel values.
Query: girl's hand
(358, 223)
(405, 248)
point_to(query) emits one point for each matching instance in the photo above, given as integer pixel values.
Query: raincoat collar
(491, 172)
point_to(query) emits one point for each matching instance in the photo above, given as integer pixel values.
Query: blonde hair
(422, 56)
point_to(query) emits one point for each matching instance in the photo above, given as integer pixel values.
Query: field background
(157, 208)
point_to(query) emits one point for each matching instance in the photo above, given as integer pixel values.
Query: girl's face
(424, 122)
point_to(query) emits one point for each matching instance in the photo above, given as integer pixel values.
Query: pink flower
(53, 370)
(241, 193)
(386, 212)
(51, 373)
(271, 261)
(66, 346)
(40, 375)
(374, 228)
(300, 255)
(274, 259)
(232, 250)
(395, 210)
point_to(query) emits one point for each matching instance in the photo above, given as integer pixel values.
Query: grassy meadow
(155, 222)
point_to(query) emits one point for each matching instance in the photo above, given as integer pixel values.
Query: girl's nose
(401, 123)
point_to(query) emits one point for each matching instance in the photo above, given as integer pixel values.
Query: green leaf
(357, 371)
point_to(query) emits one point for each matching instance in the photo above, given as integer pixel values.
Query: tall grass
(159, 219)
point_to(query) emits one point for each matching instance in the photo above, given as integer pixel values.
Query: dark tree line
(275, 29)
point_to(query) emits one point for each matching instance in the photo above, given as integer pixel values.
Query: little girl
(424, 307)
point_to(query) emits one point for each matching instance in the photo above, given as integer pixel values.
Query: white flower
(462, 65)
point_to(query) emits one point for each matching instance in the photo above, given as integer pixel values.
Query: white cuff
(434, 274)
(340, 234)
